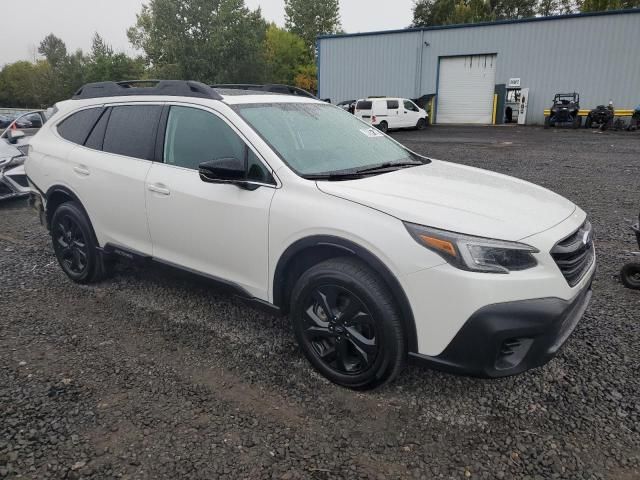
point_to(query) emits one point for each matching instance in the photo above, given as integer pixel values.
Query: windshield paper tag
(371, 132)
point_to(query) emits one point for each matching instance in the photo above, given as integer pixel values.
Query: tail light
(374, 119)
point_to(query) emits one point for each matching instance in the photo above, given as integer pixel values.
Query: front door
(220, 230)
(411, 114)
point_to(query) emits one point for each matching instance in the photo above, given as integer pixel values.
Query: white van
(390, 113)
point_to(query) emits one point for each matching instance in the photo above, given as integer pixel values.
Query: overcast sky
(25, 23)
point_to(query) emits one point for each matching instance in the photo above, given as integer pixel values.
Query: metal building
(478, 72)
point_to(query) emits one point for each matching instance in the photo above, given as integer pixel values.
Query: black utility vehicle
(601, 117)
(565, 110)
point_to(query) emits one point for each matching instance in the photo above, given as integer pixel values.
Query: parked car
(13, 180)
(348, 105)
(378, 255)
(28, 122)
(391, 113)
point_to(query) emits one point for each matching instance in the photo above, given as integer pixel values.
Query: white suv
(387, 113)
(378, 255)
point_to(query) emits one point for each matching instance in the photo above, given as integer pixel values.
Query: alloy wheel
(71, 245)
(340, 330)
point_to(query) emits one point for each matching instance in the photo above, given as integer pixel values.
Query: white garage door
(465, 89)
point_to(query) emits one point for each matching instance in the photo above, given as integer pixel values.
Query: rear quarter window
(77, 126)
(393, 104)
(364, 105)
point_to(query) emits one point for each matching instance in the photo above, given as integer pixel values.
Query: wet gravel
(155, 374)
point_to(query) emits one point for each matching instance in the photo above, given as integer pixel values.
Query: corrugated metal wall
(597, 56)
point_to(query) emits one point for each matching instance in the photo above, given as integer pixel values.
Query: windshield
(319, 139)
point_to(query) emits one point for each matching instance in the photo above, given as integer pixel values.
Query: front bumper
(508, 338)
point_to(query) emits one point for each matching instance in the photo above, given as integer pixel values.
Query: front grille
(574, 254)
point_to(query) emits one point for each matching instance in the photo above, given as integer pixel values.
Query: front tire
(630, 276)
(75, 245)
(347, 324)
(422, 124)
(383, 127)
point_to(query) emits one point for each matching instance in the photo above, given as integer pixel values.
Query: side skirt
(115, 251)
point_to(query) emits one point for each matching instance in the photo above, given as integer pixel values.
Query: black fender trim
(349, 248)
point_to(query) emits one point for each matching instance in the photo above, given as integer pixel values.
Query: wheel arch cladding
(56, 196)
(309, 251)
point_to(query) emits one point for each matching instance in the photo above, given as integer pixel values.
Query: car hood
(7, 150)
(458, 198)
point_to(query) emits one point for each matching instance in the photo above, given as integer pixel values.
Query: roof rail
(177, 88)
(267, 87)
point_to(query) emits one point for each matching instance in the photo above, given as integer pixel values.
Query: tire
(75, 245)
(347, 324)
(547, 122)
(588, 122)
(577, 122)
(383, 127)
(422, 124)
(630, 275)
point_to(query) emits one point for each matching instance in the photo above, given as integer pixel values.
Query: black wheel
(75, 245)
(630, 275)
(383, 127)
(577, 122)
(422, 124)
(347, 324)
(547, 122)
(588, 122)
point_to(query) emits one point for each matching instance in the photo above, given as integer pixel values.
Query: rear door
(363, 110)
(109, 171)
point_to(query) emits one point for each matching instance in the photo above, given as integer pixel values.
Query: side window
(76, 127)
(409, 105)
(96, 137)
(194, 136)
(393, 104)
(131, 131)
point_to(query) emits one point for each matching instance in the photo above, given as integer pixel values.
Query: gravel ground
(154, 374)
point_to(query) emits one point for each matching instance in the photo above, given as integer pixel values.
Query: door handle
(82, 170)
(159, 188)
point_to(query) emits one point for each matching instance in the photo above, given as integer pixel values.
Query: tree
(53, 49)
(307, 77)
(207, 40)
(285, 52)
(310, 18)
(104, 65)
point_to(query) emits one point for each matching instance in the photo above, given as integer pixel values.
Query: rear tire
(630, 276)
(383, 127)
(588, 122)
(347, 324)
(422, 124)
(547, 122)
(75, 245)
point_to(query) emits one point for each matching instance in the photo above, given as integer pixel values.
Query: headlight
(476, 254)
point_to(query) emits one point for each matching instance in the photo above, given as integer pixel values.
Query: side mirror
(14, 136)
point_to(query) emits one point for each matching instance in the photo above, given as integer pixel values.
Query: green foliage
(24, 84)
(601, 5)
(310, 18)
(211, 41)
(284, 52)
(307, 77)
(447, 12)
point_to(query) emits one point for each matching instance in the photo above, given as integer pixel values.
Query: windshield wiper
(389, 165)
(334, 176)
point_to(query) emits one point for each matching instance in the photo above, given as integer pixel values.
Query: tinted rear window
(132, 131)
(364, 105)
(76, 127)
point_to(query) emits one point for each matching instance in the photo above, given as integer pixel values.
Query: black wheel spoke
(361, 342)
(342, 352)
(70, 245)
(318, 332)
(327, 298)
